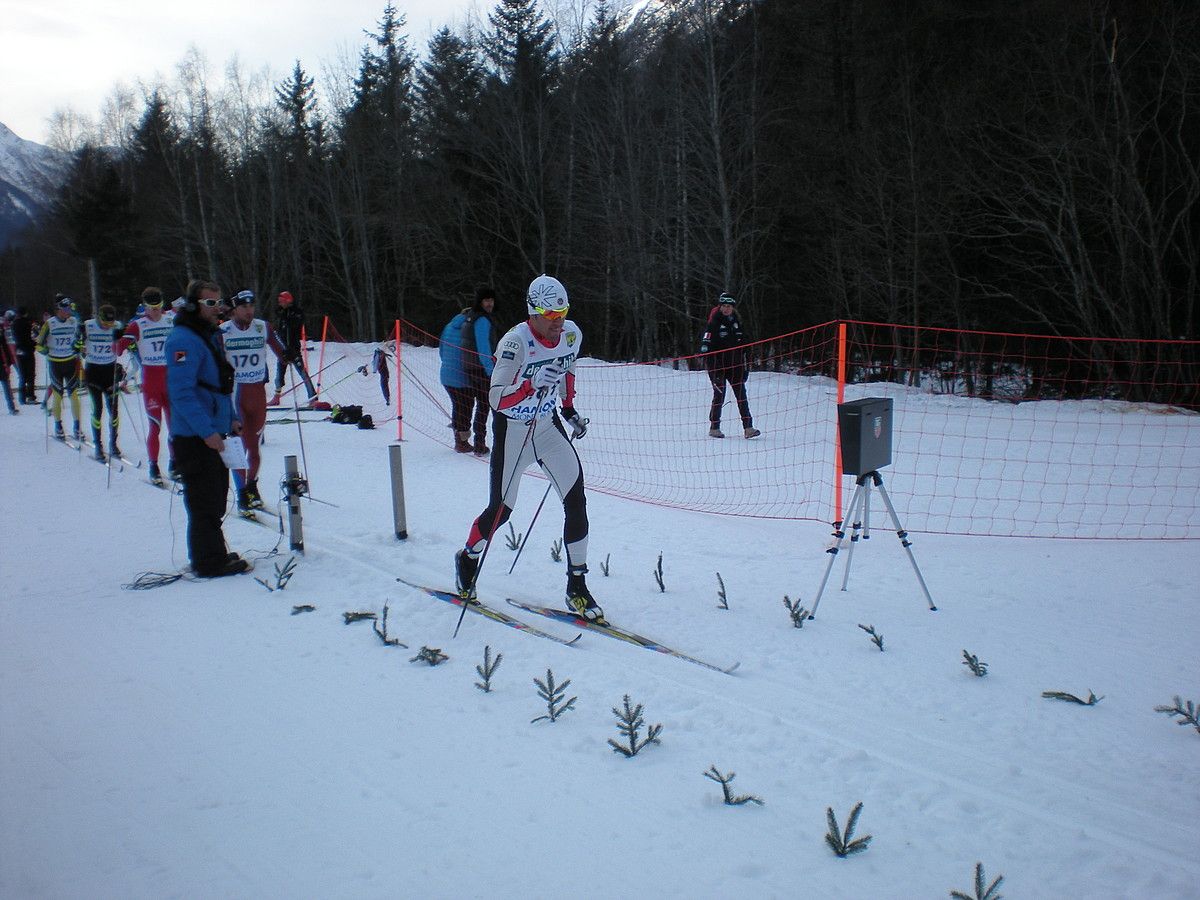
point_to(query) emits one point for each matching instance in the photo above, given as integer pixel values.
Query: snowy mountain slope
(200, 740)
(30, 173)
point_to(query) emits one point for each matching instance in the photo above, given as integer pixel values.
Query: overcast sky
(70, 53)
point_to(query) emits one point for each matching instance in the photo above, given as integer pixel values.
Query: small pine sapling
(971, 661)
(981, 893)
(840, 841)
(283, 574)
(302, 608)
(556, 551)
(488, 669)
(876, 639)
(512, 538)
(553, 695)
(658, 574)
(730, 798)
(629, 721)
(604, 565)
(1186, 712)
(722, 600)
(381, 630)
(1092, 699)
(796, 611)
(349, 617)
(431, 655)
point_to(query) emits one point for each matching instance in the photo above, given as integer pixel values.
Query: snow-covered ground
(200, 740)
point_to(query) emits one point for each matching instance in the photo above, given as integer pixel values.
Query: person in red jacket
(726, 364)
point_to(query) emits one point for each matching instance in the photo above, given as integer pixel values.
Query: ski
(274, 523)
(489, 612)
(563, 615)
(87, 448)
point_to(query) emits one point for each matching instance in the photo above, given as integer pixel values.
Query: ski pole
(496, 518)
(133, 420)
(299, 430)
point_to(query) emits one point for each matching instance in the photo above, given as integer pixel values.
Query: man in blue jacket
(467, 345)
(199, 388)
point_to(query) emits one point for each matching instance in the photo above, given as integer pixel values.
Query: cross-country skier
(147, 336)
(246, 342)
(534, 361)
(101, 335)
(60, 340)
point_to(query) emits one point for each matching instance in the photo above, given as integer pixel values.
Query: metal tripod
(860, 503)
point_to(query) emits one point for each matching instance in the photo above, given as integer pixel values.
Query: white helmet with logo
(546, 293)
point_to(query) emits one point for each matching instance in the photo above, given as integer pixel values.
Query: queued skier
(147, 337)
(101, 336)
(60, 341)
(534, 361)
(246, 342)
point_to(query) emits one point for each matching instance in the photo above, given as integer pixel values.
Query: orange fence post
(400, 402)
(321, 358)
(837, 438)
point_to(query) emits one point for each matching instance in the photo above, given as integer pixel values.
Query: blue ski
(563, 615)
(489, 612)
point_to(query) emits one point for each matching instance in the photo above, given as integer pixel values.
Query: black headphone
(192, 298)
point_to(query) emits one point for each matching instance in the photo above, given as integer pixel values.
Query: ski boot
(156, 478)
(59, 434)
(252, 496)
(579, 598)
(98, 454)
(466, 570)
(114, 450)
(751, 432)
(244, 509)
(172, 472)
(231, 565)
(78, 434)
(716, 432)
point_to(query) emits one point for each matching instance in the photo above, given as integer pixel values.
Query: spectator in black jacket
(23, 330)
(7, 361)
(726, 364)
(289, 324)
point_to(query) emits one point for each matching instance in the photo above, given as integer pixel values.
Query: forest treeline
(1028, 165)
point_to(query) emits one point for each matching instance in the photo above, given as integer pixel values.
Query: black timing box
(865, 428)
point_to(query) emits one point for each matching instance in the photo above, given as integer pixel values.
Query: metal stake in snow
(399, 518)
(295, 487)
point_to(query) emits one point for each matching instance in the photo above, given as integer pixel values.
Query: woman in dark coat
(726, 364)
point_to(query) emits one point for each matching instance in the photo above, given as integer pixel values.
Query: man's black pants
(205, 493)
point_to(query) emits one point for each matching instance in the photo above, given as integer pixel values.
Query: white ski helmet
(546, 293)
